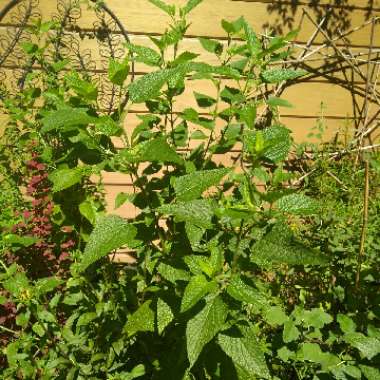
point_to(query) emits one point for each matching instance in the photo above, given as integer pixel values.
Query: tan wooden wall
(141, 19)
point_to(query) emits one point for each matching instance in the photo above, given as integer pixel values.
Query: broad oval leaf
(290, 332)
(156, 150)
(148, 86)
(111, 232)
(242, 292)
(243, 348)
(191, 186)
(369, 347)
(46, 285)
(297, 204)
(88, 210)
(202, 328)
(145, 55)
(198, 212)
(65, 178)
(172, 274)
(66, 118)
(371, 373)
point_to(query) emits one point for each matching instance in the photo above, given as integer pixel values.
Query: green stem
(8, 330)
(234, 266)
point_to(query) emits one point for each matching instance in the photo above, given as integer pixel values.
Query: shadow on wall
(338, 14)
(354, 70)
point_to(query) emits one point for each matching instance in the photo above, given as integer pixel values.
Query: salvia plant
(217, 288)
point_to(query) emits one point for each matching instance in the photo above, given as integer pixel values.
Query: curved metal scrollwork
(88, 48)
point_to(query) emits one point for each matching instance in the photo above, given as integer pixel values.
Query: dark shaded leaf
(279, 246)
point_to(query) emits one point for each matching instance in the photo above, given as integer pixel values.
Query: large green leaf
(66, 118)
(172, 274)
(190, 114)
(316, 318)
(279, 246)
(19, 241)
(141, 320)
(16, 284)
(311, 352)
(156, 150)
(160, 151)
(195, 290)
(242, 292)
(275, 315)
(191, 186)
(118, 71)
(202, 328)
(273, 101)
(46, 285)
(369, 347)
(88, 210)
(111, 232)
(234, 26)
(276, 142)
(82, 87)
(65, 178)
(371, 373)
(203, 100)
(290, 332)
(243, 348)
(107, 126)
(211, 46)
(136, 372)
(194, 234)
(199, 212)
(297, 204)
(144, 54)
(148, 86)
(346, 324)
(279, 75)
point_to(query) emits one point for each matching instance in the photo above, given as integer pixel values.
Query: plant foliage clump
(237, 273)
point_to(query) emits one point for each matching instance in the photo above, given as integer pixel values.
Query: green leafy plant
(232, 277)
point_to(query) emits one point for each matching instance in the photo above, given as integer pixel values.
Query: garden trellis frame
(108, 31)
